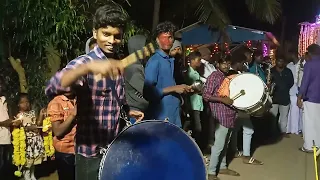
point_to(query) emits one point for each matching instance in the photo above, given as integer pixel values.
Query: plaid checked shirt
(98, 110)
(224, 114)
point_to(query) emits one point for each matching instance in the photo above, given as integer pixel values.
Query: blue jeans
(219, 149)
(244, 121)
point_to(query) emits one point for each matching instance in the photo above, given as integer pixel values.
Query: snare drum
(154, 150)
(256, 100)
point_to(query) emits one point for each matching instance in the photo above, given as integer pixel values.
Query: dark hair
(257, 52)
(23, 95)
(241, 58)
(92, 41)
(111, 14)
(280, 56)
(165, 27)
(293, 51)
(193, 55)
(20, 96)
(314, 49)
(224, 59)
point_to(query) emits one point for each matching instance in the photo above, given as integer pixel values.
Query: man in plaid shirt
(98, 108)
(224, 115)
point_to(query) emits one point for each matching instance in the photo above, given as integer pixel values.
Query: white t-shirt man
(297, 72)
(5, 135)
(208, 69)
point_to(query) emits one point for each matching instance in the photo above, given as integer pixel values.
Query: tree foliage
(44, 34)
(214, 12)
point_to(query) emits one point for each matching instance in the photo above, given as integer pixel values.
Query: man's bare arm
(72, 75)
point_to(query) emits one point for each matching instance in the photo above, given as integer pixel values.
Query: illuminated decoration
(308, 35)
(189, 50)
(272, 56)
(249, 44)
(216, 48)
(224, 49)
(265, 50)
(227, 50)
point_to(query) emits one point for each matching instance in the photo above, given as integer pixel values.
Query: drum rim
(260, 80)
(146, 121)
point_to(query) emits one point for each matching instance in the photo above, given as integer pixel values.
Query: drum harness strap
(122, 115)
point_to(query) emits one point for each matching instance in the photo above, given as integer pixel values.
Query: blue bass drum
(152, 150)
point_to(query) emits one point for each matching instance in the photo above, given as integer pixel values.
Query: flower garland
(47, 137)
(19, 149)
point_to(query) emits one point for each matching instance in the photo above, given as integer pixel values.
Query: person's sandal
(213, 177)
(229, 172)
(252, 161)
(305, 150)
(238, 154)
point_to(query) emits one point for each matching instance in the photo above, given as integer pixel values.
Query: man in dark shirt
(179, 70)
(283, 78)
(134, 77)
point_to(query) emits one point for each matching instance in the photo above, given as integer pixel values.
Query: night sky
(173, 10)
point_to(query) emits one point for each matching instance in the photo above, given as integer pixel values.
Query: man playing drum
(98, 108)
(243, 119)
(224, 115)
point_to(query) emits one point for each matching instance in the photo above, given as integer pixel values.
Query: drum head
(154, 150)
(254, 89)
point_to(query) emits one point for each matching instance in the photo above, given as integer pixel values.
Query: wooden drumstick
(241, 93)
(132, 58)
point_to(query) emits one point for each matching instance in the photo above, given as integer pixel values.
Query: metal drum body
(256, 100)
(152, 150)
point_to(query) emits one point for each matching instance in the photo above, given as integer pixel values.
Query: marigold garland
(47, 138)
(19, 149)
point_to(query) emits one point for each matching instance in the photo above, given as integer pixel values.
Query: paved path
(282, 161)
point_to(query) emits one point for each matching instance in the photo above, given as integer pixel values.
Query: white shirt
(297, 78)
(298, 67)
(5, 135)
(208, 69)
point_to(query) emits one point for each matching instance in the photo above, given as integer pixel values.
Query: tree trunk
(16, 64)
(53, 60)
(156, 14)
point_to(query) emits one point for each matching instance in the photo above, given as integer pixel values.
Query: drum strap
(123, 111)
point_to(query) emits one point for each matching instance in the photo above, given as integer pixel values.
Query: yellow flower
(48, 139)
(19, 147)
(18, 173)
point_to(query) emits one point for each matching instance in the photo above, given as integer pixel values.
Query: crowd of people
(86, 112)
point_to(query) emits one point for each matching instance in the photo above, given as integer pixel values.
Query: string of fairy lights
(309, 34)
(223, 49)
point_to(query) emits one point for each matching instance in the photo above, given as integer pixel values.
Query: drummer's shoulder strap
(224, 87)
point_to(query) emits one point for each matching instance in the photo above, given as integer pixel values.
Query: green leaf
(267, 10)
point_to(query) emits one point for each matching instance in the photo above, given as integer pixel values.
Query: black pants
(65, 165)
(87, 168)
(6, 167)
(196, 126)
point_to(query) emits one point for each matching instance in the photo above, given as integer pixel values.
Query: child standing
(35, 153)
(224, 115)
